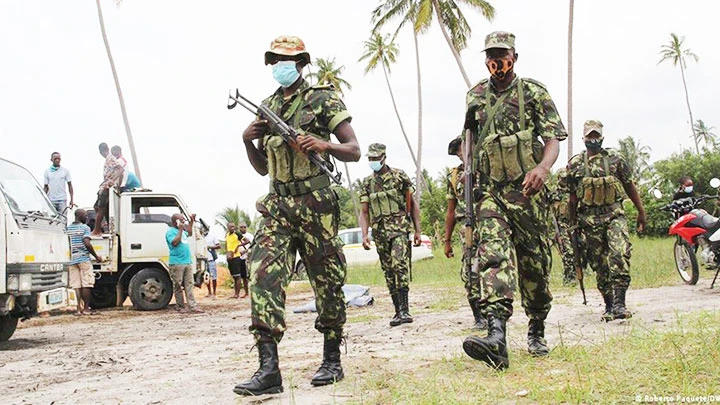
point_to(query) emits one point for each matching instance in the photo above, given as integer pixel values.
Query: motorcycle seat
(704, 219)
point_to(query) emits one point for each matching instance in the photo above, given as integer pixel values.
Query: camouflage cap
(454, 146)
(592, 125)
(500, 39)
(286, 45)
(376, 150)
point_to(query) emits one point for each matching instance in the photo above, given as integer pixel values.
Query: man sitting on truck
(129, 181)
(81, 276)
(112, 175)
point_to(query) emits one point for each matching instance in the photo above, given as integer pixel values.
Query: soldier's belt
(296, 188)
(605, 209)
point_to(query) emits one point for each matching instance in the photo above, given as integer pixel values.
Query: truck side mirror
(714, 182)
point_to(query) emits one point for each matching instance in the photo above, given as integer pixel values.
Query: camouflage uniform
(306, 222)
(503, 209)
(390, 229)
(559, 199)
(597, 182)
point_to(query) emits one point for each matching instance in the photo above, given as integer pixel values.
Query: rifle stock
(576, 261)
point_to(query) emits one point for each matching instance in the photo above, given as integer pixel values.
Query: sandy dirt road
(128, 357)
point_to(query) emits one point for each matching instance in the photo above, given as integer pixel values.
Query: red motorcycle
(695, 231)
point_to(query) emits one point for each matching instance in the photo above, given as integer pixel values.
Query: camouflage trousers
(394, 251)
(306, 224)
(607, 249)
(470, 279)
(565, 248)
(511, 225)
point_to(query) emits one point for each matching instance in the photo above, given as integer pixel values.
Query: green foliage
(433, 205)
(637, 157)
(701, 168)
(236, 216)
(348, 219)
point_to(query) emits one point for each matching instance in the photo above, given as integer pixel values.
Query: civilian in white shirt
(54, 185)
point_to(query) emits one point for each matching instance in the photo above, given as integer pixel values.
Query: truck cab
(136, 253)
(34, 250)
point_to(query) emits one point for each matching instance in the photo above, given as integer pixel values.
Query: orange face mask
(500, 67)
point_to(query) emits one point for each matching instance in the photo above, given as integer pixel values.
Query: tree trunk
(402, 128)
(455, 52)
(570, 75)
(419, 179)
(352, 193)
(687, 100)
(131, 144)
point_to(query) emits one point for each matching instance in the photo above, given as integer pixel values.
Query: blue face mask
(285, 72)
(375, 165)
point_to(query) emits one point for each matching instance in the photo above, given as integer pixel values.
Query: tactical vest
(507, 157)
(385, 203)
(598, 191)
(286, 163)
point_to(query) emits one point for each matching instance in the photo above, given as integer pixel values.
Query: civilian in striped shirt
(81, 276)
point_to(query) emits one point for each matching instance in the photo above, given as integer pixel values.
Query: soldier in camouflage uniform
(455, 184)
(387, 205)
(508, 117)
(597, 178)
(299, 214)
(559, 199)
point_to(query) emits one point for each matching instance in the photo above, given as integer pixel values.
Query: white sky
(178, 59)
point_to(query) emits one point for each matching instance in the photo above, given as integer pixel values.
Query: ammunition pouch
(385, 203)
(297, 188)
(508, 158)
(599, 191)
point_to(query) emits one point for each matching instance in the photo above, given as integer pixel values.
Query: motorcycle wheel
(686, 262)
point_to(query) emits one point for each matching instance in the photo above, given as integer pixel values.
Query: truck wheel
(7, 327)
(103, 297)
(150, 289)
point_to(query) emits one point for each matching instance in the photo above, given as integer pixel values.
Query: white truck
(34, 251)
(135, 251)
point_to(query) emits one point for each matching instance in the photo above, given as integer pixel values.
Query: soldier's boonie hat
(286, 45)
(500, 39)
(592, 125)
(376, 150)
(454, 146)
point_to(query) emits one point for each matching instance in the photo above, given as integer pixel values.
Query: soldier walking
(597, 178)
(507, 116)
(455, 184)
(300, 213)
(388, 207)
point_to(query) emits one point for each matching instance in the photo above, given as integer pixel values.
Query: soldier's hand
(257, 129)
(448, 249)
(366, 242)
(641, 223)
(534, 180)
(309, 142)
(416, 239)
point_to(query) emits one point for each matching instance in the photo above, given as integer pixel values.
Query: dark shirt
(681, 194)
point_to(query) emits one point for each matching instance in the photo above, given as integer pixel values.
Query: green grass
(652, 265)
(684, 360)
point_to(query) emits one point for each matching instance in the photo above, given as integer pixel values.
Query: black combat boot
(480, 320)
(491, 349)
(537, 346)
(404, 306)
(395, 321)
(330, 371)
(267, 379)
(608, 315)
(619, 310)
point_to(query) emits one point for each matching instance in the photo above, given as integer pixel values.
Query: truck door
(143, 237)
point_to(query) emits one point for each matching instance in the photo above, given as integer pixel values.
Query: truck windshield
(22, 192)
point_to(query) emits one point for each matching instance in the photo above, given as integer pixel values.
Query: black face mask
(594, 145)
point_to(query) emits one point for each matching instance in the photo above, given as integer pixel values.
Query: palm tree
(571, 17)
(637, 157)
(675, 53)
(131, 144)
(705, 134)
(329, 73)
(382, 51)
(454, 27)
(230, 215)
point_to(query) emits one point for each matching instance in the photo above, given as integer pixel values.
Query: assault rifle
(288, 133)
(576, 261)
